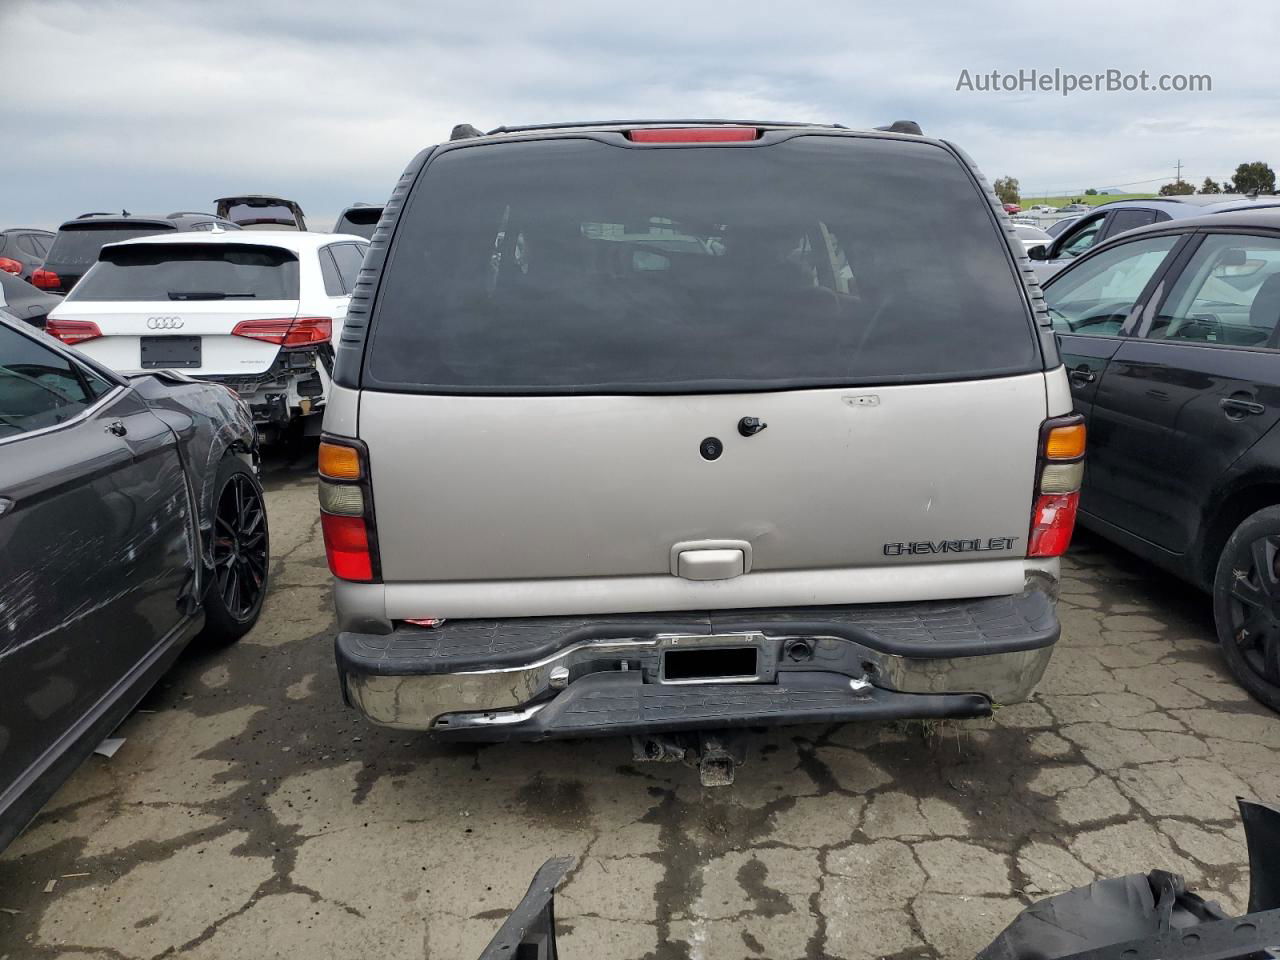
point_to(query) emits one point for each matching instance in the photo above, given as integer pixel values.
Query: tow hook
(716, 753)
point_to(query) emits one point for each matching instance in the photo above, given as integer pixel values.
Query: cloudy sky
(155, 105)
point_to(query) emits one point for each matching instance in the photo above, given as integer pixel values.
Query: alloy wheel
(240, 547)
(1255, 609)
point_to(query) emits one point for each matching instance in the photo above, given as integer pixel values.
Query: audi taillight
(72, 332)
(346, 511)
(9, 265)
(286, 331)
(45, 279)
(1059, 472)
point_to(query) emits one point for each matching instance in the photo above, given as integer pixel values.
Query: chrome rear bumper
(499, 675)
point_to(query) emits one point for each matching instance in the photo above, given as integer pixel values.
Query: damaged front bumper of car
(549, 677)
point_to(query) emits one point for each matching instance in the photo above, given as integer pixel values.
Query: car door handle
(1081, 375)
(117, 428)
(1240, 408)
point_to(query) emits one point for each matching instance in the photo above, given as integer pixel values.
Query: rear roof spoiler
(466, 131)
(903, 126)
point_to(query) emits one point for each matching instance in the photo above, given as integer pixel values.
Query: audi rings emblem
(164, 323)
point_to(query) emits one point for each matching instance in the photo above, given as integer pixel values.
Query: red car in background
(1012, 208)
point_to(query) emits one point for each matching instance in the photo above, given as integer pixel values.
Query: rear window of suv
(191, 271)
(570, 265)
(253, 214)
(80, 243)
(360, 221)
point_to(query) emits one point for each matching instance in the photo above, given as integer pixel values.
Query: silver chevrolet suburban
(687, 425)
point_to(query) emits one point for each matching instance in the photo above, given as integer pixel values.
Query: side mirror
(1038, 252)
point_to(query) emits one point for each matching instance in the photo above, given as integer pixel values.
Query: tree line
(1249, 178)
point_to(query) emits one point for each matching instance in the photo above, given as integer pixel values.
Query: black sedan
(26, 302)
(1171, 337)
(131, 521)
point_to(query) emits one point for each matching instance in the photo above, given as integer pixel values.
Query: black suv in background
(76, 245)
(359, 219)
(1171, 338)
(23, 249)
(1111, 219)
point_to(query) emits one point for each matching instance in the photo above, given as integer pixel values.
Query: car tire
(241, 551)
(1246, 605)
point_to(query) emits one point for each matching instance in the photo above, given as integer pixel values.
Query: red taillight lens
(1051, 524)
(72, 332)
(346, 544)
(287, 331)
(1059, 472)
(346, 511)
(10, 266)
(693, 135)
(45, 279)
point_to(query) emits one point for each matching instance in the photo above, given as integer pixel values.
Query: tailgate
(498, 488)
(126, 326)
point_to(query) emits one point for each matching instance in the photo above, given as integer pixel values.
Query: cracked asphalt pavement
(249, 814)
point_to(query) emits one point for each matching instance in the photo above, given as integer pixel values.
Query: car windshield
(79, 243)
(572, 265)
(191, 271)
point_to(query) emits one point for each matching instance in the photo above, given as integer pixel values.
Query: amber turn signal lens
(1065, 443)
(338, 462)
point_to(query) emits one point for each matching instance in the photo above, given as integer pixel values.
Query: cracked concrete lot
(250, 815)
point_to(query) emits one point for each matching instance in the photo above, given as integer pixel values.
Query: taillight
(346, 511)
(10, 266)
(45, 279)
(1059, 471)
(286, 331)
(693, 134)
(72, 332)
(346, 544)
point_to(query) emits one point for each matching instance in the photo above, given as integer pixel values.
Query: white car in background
(258, 311)
(1030, 235)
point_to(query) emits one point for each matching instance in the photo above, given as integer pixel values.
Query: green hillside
(1028, 200)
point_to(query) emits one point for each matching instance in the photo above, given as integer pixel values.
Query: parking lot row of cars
(646, 429)
(244, 296)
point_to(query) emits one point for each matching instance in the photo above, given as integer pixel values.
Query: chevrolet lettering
(948, 546)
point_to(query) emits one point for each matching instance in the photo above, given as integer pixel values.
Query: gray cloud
(156, 105)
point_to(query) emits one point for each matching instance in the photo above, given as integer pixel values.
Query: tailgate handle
(710, 564)
(710, 559)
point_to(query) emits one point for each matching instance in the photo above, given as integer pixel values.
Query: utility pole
(1179, 179)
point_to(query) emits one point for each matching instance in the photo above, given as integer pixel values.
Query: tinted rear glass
(191, 272)
(360, 222)
(271, 213)
(80, 244)
(575, 266)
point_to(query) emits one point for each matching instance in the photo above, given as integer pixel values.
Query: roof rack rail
(95, 213)
(903, 126)
(632, 123)
(464, 131)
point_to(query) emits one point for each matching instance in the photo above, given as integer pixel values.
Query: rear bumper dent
(535, 678)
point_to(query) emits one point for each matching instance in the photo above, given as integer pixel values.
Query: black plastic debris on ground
(1148, 916)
